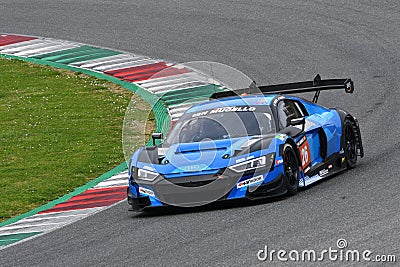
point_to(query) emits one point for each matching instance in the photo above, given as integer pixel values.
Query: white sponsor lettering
(244, 159)
(250, 181)
(146, 191)
(323, 172)
(225, 109)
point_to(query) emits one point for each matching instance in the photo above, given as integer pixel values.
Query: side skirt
(334, 164)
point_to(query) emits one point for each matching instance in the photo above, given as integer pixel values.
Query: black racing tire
(291, 169)
(350, 143)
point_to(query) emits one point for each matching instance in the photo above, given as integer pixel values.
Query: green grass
(58, 130)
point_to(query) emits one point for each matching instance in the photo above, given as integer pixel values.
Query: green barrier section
(91, 56)
(64, 52)
(194, 91)
(77, 54)
(187, 94)
(176, 101)
(9, 239)
(120, 168)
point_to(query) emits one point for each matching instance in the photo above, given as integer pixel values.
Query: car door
(306, 136)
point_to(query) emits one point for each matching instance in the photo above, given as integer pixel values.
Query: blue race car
(249, 143)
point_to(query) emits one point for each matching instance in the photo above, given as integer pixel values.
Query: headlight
(253, 163)
(147, 175)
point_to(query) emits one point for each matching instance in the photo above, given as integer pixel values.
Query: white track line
(129, 64)
(20, 44)
(104, 61)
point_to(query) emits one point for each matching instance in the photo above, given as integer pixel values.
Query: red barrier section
(92, 198)
(12, 39)
(138, 69)
(145, 72)
(168, 72)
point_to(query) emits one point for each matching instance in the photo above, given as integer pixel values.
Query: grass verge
(58, 130)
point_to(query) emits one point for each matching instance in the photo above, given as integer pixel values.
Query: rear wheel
(350, 144)
(291, 167)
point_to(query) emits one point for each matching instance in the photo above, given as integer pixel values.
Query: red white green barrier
(170, 93)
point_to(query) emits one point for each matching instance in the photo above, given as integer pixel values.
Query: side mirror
(155, 136)
(298, 121)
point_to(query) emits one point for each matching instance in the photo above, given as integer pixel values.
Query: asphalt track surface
(272, 42)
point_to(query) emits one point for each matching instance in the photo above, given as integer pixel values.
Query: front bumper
(208, 188)
(138, 203)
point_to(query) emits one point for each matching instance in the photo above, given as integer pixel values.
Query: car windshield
(222, 123)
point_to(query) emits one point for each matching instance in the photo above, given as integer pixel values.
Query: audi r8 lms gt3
(247, 143)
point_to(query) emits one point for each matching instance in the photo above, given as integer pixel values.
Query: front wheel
(291, 168)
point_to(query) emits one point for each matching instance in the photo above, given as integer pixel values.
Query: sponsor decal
(305, 155)
(307, 169)
(224, 110)
(244, 159)
(278, 161)
(281, 137)
(330, 166)
(191, 168)
(261, 101)
(348, 86)
(302, 140)
(312, 179)
(323, 172)
(146, 191)
(251, 181)
(198, 114)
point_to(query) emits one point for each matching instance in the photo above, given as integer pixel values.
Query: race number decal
(305, 155)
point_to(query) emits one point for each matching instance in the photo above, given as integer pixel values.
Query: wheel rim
(291, 168)
(350, 143)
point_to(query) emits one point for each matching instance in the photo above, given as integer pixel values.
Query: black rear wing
(316, 86)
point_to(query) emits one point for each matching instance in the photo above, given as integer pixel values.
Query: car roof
(249, 100)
